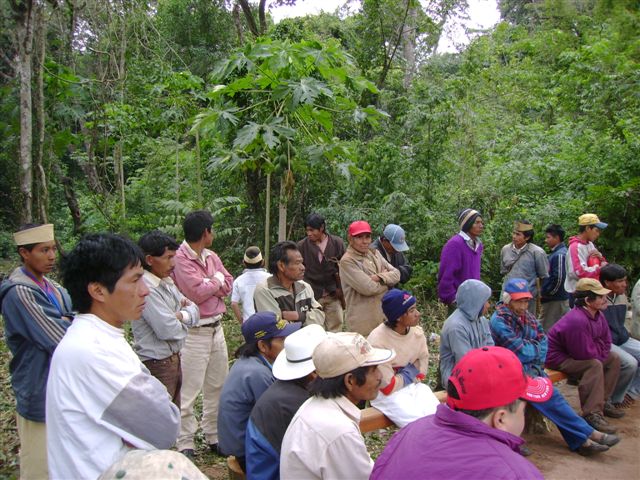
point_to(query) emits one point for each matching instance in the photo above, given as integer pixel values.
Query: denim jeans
(629, 380)
(574, 429)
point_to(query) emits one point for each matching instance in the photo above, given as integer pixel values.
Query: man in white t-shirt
(101, 400)
(244, 285)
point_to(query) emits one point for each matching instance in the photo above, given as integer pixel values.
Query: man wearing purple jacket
(460, 257)
(580, 346)
(476, 434)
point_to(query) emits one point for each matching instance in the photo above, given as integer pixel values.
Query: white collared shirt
(324, 441)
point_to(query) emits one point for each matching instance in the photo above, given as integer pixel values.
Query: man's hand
(219, 276)
(290, 315)
(185, 302)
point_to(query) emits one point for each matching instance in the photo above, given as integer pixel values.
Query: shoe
(611, 411)
(189, 453)
(214, 448)
(591, 448)
(525, 451)
(608, 439)
(626, 402)
(598, 422)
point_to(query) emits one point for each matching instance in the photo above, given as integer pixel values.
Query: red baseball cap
(490, 377)
(356, 228)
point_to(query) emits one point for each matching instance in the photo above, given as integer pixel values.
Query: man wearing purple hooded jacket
(460, 257)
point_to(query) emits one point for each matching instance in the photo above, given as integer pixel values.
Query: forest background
(123, 115)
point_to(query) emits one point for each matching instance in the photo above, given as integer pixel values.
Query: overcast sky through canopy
(483, 14)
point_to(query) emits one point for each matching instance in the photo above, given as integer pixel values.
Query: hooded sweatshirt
(466, 328)
(578, 263)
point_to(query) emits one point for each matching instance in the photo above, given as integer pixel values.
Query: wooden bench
(372, 419)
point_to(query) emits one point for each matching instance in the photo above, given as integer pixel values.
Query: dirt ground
(557, 462)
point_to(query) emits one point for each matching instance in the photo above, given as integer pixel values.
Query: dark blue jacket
(616, 314)
(33, 327)
(553, 285)
(267, 425)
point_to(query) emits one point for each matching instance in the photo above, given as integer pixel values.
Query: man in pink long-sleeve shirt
(201, 277)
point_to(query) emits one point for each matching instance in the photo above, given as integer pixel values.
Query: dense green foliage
(152, 112)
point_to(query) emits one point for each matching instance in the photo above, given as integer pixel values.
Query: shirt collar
(348, 408)
(192, 253)
(155, 281)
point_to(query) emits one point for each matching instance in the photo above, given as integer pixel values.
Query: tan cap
(591, 285)
(591, 219)
(523, 227)
(39, 234)
(343, 352)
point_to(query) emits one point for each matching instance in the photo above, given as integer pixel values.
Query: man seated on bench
(515, 328)
(324, 439)
(476, 434)
(467, 327)
(403, 397)
(249, 378)
(580, 346)
(272, 413)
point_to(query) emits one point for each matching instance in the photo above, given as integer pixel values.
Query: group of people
(289, 405)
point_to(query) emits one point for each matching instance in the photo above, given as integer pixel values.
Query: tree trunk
(70, 197)
(409, 46)
(282, 210)
(25, 15)
(237, 23)
(42, 191)
(267, 220)
(248, 15)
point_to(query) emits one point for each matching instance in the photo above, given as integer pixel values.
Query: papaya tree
(281, 107)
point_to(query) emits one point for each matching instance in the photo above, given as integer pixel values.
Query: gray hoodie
(465, 329)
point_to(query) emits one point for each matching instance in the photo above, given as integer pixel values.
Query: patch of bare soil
(556, 462)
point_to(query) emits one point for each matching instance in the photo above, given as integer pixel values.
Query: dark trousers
(168, 371)
(597, 380)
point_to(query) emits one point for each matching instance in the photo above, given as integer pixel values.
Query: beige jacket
(363, 296)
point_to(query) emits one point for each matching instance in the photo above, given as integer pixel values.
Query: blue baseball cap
(517, 288)
(395, 234)
(265, 325)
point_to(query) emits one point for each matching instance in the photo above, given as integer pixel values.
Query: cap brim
(519, 295)
(601, 225)
(286, 370)
(400, 247)
(602, 291)
(379, 355)
(360, 231)
(287, 330)
(539, 389)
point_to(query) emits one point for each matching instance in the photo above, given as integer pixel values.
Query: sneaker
(608, 439)
(189, 453)
(590, 448)
(598, 422)
(611, 411)
(626, 402)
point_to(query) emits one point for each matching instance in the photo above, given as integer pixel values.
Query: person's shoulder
(336, 239)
